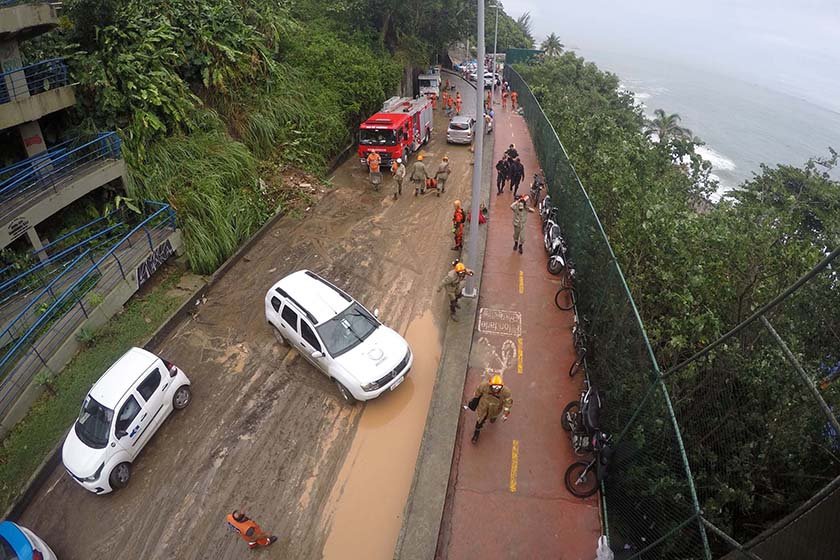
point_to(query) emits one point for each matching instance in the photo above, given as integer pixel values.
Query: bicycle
(566, 297)
(580, 344)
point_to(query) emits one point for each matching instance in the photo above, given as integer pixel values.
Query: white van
(119, 416)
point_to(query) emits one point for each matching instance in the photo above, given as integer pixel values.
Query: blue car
(19, 543)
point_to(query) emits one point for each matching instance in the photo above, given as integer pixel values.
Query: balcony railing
(46, 171)
(33, 79)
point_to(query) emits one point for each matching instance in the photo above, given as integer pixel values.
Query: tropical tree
(526, 25)
(552, 45)
(667, 127)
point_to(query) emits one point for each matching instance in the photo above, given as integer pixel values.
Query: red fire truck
(397, 130)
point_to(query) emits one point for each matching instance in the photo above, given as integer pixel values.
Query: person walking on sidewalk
(504, 99)
(442, 174)
(458, 103)
(458, 219)
(511, 152)
(452, 284)
(398, 169)
(374, 160)
(520, 216)
(502, 172)
(249, 530)
(514, 97)
(517, 173)
(492, 399)
(419, 174)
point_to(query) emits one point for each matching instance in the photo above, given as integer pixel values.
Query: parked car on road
(363, 357)
(119, 416)
(19, 543)
(461, 130)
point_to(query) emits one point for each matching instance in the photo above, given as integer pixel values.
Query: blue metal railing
(47, 172)
(23, 281)
(20, 167)
(64, 312)
(33, 79)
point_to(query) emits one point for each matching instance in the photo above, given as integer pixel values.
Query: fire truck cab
(399, 129)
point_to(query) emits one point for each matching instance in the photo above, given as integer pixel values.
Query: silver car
(461, 130)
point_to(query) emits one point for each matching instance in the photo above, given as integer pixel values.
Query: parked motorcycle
(582, 419)
(536, 187)
(545, 207)
(583, 477)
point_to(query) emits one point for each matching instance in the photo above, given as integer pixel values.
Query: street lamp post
(495, 43)
(472, 250)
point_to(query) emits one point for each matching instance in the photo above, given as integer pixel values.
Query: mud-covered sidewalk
(266, 432)
(507, 497)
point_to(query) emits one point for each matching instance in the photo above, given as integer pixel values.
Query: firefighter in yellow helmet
(452, 283)
(419, 175)
(494, 400)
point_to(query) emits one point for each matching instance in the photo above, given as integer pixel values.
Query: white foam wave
(718, 160)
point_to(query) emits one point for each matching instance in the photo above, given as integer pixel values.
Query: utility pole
(472, 248)
(495, 44)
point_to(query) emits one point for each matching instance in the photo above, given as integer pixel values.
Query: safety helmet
(420, 157)
(461, 268)
(399, 160)
(445, 158)
(496, 383)
(457, 203)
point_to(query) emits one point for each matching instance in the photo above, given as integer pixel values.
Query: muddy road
(266, 432)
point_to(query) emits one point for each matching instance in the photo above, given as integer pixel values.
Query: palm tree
(666, 126)
(526, 26)
(552, 45)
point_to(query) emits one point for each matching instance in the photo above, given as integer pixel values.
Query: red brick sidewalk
(507, 497)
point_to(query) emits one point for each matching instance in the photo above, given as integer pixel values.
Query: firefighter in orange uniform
(458, 103)
(504, 98)
(513, 97)
(434, 101)
(444, 99)
(489, 99)
(450, 103)
(458, 219)
(249, 530)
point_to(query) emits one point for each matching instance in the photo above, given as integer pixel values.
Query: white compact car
(461, 130)
(19, 543)
(338, 336)
(119, 416)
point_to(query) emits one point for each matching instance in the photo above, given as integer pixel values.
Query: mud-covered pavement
(266, 432)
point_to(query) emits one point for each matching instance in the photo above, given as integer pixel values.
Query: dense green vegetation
(201, 91)
(755, 439)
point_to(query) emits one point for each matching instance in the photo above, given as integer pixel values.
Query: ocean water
(743, 124)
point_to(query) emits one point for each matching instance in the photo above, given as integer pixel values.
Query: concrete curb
(423, 511)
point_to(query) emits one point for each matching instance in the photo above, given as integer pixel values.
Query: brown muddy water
(367, 501)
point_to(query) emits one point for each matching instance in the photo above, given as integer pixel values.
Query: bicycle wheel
(581, 479)
(573, 406)
(575, 367)
(565, 298)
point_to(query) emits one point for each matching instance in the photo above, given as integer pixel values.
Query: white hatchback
(338, 336)
(119, 416)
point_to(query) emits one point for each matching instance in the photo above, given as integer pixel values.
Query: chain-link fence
(718, 453)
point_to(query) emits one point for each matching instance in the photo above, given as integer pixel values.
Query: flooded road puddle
(367, 501)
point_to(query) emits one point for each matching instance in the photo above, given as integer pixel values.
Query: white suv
(119, 416)
(338, 336)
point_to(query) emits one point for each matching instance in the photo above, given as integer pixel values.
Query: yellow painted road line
(519, 355)
(514, 464)
(521, 282)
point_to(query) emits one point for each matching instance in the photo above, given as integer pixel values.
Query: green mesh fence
(711, 445)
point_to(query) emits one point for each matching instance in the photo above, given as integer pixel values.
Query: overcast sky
(793, 45)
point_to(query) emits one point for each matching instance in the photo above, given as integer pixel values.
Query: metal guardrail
(30, 351)
(47, 172)
(14, 170)
(31, 80)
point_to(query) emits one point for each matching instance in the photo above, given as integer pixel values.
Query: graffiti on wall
(153, 262)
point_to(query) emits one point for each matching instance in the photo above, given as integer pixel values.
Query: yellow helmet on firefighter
(459, 267)
(496, 383)
(420, 157)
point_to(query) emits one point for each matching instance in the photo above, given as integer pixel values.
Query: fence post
(149, 236)
(802, 375)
